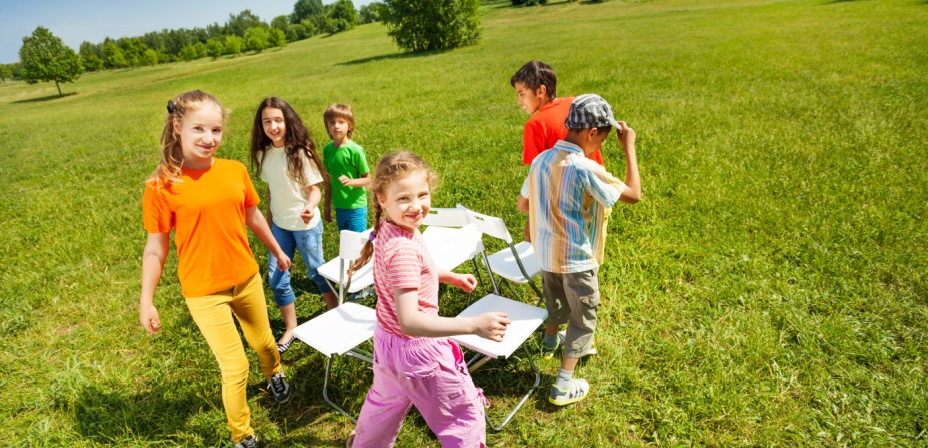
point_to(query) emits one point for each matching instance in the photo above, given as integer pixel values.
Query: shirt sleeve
(361, 163)
(602, 185)
(533, 141)
(311, 171)
(405, 267)
(157, 216)
(525, 185)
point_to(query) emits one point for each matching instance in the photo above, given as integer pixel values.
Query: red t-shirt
(207, 213)
(402, 261)
(546, 127)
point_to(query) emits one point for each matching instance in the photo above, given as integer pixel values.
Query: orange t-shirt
(546, 127)
(207, 213)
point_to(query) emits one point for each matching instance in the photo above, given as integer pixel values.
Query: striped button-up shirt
(569, 197)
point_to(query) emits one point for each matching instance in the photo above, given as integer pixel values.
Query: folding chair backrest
(489, 225)
(447, 217)
(350, 244)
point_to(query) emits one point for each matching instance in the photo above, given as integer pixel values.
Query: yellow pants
(213, 314)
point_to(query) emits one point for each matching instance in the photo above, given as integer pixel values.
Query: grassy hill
(770, 289)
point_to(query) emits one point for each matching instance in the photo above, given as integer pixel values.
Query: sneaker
(249, 441)
(548, 352)
(578, 390)
(279, 387)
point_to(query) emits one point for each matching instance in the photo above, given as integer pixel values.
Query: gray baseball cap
(590, 111)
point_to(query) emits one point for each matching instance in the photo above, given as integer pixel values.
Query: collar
(568, 147)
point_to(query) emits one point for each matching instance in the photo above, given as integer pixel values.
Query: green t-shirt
(347, 160)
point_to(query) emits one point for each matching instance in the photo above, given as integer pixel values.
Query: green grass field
(769, 290)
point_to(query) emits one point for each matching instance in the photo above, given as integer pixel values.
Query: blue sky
(75, 21)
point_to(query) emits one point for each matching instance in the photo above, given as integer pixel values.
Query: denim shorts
(309, 242)
(353, 219)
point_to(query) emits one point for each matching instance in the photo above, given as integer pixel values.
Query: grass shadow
(401, 55)
(44, 98)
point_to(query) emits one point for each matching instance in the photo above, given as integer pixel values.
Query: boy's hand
(307, 215)
(626, 136)
(465, 282)
(491, 325)
(345, 180)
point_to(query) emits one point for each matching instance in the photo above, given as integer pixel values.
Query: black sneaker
(249, 441)
(279, 387)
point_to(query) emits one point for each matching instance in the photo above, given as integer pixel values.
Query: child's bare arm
(465, 282)
(315, 195)
(413, 323)
(153, 256)
(626, 137)
(359, 182)
(522, 204)
(255, 221)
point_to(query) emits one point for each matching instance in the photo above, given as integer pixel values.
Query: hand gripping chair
(340, 330)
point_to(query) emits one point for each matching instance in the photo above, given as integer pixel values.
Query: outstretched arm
(255, 221)
(153, 256)
(632, 192)
(414, 323)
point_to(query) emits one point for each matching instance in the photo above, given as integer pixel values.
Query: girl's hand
(283, 261)
(465, 282)
(307, 215)
(148, 316)
(345, 180)
(327, 214)
(491, 325)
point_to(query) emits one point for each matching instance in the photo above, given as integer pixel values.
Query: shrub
(422, 25)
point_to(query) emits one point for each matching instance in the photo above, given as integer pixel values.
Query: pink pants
(430, 374)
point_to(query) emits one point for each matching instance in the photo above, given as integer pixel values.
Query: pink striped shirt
(402, 261)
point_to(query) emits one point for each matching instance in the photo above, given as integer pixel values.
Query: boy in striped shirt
(567, 196)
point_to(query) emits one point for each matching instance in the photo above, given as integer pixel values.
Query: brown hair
(172, 154)
(390, 168)
(535, 74)
(297, 142)
(339, 111)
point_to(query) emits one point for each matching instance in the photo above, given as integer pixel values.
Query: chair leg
(525, 397)
(325, 391)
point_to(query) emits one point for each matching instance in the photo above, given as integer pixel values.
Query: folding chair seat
(450, 246)
(517, 263)
(525, 320)
(341, 330)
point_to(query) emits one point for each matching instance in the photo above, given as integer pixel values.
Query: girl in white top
(283, 155)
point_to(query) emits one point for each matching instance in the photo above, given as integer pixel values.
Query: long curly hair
(298, 143)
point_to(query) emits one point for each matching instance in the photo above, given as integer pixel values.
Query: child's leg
(556, 303)
(310, 245)
(386, 403)
(582, 291)
(280, 280)
(213, 315)
(249, 306)
(354, 219)
(442, 390)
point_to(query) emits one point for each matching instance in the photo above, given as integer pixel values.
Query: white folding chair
(342, 329)
(525, 320)
(453, 238)
(517, 263)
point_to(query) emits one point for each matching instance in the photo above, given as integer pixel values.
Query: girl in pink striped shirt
(414, 361)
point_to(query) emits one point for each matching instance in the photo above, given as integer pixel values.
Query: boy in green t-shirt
(347, 165)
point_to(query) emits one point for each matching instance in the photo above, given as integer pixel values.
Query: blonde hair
(339, 111)
(391, 167)
(169, 170)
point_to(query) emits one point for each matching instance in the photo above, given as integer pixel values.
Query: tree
(341, 16)
(276, 38)
(114, 56)
(255, 39)
(214, 47)
(90, 58)
(234, 45)
(305, 9)
(423, 25)
(148, 57)
(239, 24)
(6, 72)
(281, 22)
(369, 13)
(44, 57)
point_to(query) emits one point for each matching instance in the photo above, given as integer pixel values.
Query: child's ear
(176, 126)
(542, 91)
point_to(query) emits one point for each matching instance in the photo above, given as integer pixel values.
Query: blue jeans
(310, 244)
(353, 219)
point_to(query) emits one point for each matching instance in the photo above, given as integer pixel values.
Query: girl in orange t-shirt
(208, 201)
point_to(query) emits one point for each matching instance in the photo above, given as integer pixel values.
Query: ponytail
(367, 252)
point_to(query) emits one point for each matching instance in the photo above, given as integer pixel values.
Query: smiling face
(200, 134)
(407, 200)
(275, 127)
(530, 100)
